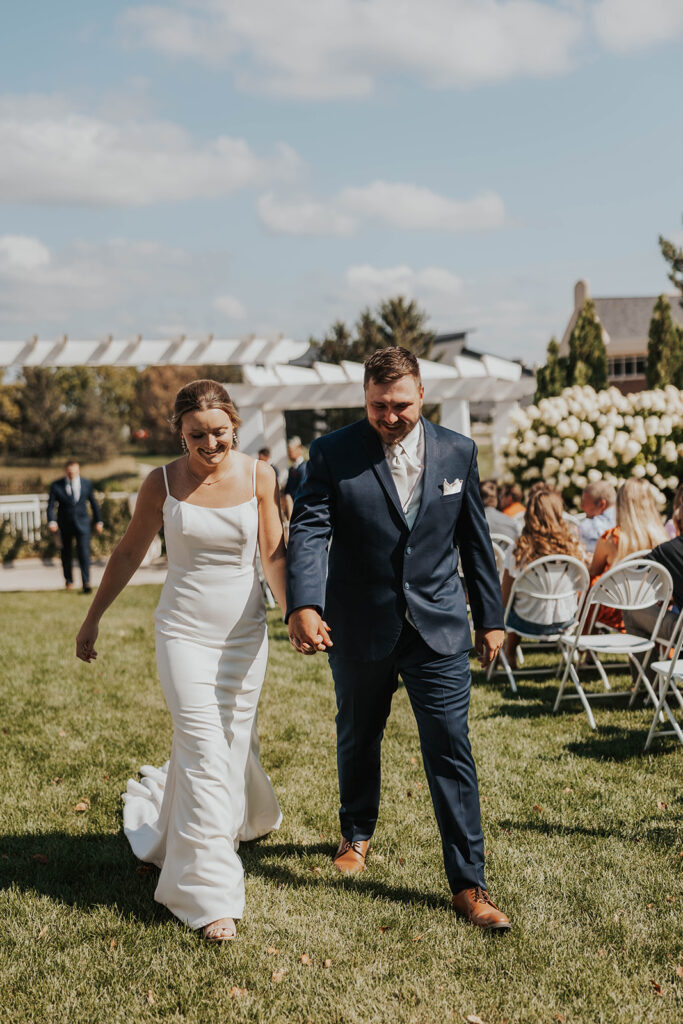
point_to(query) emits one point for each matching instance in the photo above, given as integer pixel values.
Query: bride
(216, 504)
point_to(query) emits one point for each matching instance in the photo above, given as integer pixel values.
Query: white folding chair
(668, 676)
(499, 555)
(551, 578)
(503, 541)
(629, 586)
(642, 553)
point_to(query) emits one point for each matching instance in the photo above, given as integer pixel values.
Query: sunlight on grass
(583, 834)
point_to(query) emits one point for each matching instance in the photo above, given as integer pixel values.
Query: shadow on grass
(615, 743)
(100, 870)
(658, 836)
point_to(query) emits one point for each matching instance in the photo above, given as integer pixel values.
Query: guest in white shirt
(598, 501)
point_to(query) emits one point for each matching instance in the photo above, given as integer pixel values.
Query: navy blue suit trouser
(439, 690)
(70, 532)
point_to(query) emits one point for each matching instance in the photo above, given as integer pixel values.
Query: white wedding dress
(211, 643)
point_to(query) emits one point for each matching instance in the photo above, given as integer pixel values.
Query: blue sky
(211, 165)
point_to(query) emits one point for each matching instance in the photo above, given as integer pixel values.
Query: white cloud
(371, 284)
(395, 204)
(118, 286)
(20, 253)
(303, 216)
(624, 25)
(342, 47)
(412, 207)
(53, 155)
(230, 307)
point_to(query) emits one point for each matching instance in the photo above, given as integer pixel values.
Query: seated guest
(598, 502)
(498, 521)
(545, 532)
(638, 527)
(510, 500)
(670, 555)
(671, 524)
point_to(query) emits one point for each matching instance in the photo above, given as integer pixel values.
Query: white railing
(25, 512)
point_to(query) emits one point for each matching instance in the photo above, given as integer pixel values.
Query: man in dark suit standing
(71, 494)
(399, 499)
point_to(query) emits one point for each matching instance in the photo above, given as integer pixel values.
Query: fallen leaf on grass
(236, 992)
(271, 950)
(62, 732)
(150, 997)
(602, 953)
(306, 960)
(82, 805)
(670, 899)
(679, 971)
(662, 805)
(413, 760)
(40, 858)
(384, 928)
(561, 1017)
(408, 793)
(472, 1018)
(416, 938)
(401, 860)
(656, 987)
(57, 781)
(113, 944)
(327, 963)
(277, 976)
(316, 870)
(650, 906)
(568, 789)
(42, 933)
(538, 808)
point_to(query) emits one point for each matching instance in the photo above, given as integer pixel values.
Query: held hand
(99, 527)
(487, 643)
(85, 641)
(52, 527)
(308, 632)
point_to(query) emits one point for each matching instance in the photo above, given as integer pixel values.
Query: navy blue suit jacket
(72, 514)
(377, 565)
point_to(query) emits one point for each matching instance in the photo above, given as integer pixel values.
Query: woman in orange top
(639, 528)
(510, 501)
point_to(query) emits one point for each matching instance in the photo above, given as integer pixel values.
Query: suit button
(409, 551)
(407, 586)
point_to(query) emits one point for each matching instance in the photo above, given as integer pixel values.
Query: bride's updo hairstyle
(200, 395)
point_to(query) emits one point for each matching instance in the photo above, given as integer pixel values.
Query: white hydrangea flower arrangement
(585, 435)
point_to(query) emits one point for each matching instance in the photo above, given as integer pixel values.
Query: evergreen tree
(550, 379)
(402, 323)
(336, 345)
(368, 336)
(663, 347)
(674, 257)
(587, 360)
(43, 416)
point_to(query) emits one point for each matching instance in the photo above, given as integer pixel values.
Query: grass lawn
(583, 832)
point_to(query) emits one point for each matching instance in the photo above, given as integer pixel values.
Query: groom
(398, 497)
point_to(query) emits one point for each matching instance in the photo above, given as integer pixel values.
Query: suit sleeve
(51, 502)
(473, 538)
(94, 505)
(310, 529)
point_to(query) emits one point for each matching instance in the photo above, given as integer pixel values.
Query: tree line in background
(586, 361)
(89, 412)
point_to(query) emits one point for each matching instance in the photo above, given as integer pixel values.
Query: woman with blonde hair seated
(545, 532)
(639, 528)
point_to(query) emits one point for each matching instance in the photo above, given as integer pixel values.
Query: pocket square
(453, 488)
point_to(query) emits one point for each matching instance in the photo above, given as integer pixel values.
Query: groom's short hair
(389, 364)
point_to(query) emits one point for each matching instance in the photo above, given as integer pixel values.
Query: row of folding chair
(632, 585)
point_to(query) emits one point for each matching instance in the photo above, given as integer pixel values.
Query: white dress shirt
(406, 460)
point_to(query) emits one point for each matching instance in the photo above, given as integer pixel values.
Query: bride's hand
(85, 641)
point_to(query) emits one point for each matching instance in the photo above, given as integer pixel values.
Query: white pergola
(272, 385)
(268, 391)
(139, 351)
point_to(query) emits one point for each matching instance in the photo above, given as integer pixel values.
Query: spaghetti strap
(166, 480)
(255, 462)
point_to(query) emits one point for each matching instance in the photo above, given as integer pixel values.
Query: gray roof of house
(626, 321)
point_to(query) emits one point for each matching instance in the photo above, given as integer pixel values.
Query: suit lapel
(375, 453)
(430, 469)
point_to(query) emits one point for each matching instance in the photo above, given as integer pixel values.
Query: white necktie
(76, 487)
(399, 471)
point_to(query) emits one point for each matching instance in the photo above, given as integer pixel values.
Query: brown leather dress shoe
(478, 907)
(350, 856)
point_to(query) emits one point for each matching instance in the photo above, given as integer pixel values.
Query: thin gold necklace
(207, 483)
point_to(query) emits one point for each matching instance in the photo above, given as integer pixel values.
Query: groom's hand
(308, 632)
(487, 643)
